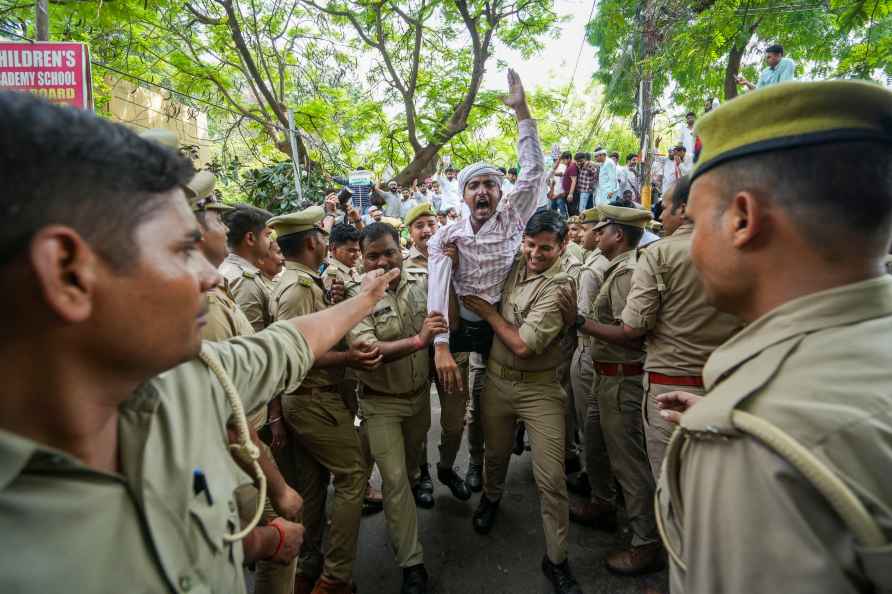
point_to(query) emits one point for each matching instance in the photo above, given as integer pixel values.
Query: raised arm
(532, 164)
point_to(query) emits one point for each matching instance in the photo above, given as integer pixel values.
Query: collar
(414, 254)
(15, 453)
(686, 229)
(839, 306)
(234, 258)
(553, 270)
(338, 265)
(619, 260)
(301, 267)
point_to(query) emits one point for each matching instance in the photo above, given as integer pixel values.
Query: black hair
(293, 244)
(808, 182)
(343, 233)
(376, 231)
(588, 156)
(614, 155)
(579, 156)
(501, 170)
(65, 166)
(690, 113)
(546, 221)
(244, 219)
(775, 49)
(631, 234)
(679, 192)
(566, 155)
(512, 170)
(630, 156)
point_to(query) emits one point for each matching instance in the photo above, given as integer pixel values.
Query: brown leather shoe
(327, 586)
(637, 560)
(303, 584)
(597, 515)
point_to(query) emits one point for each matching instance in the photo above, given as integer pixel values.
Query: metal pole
(295, 157)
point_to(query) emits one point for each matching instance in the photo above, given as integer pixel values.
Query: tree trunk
(421, 166)
(42, 19)
(645, 119)
(732, 69)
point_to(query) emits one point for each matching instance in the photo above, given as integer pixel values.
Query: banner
(58, 72)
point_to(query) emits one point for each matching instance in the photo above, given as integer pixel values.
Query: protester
(780, 69)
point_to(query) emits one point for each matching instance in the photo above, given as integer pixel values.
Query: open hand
(515, 98)
(447, 369)
(673, 405)
(479, 306)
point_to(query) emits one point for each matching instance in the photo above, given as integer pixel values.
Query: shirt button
(232, 506)
(185, 583)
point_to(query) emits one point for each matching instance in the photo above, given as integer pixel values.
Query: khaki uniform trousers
(269, 578)
(619, 403)
(475, 376)
(395, 429)
(326, 445)
(541, 405)
(597, 462)
(564, 374)
(453, 410)
(658, 430)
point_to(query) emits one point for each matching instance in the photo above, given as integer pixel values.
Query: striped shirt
(485, 258)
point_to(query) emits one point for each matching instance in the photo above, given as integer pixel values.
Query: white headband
(474, 170)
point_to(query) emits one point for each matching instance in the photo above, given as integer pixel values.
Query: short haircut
(343, 233)
(775, 49)
(631, 235)
(614, 155)
(244, 219)
(546, 221)
(502, 170)
(566, 155)
(630, 156)
(579, 156)
(293, 244)
(376, 231)
(512, 170)
(809, 184)
(679, 192)
(63, 166)
(690, 113)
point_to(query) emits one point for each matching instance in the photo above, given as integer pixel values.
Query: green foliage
(270, 187)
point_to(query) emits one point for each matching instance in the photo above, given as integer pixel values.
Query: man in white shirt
(508, 182)
(675, 167)
(449, 189)
(392, 199)
(407, 202)
(687, 138)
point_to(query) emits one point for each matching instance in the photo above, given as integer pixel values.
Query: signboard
(360, 177)
(58, 72)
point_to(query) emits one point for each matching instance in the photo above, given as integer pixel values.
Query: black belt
(471, 337)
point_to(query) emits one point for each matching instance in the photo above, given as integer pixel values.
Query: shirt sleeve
(529, 183)
(251, 300)
(544, 321)
(265, 364)
(293, 302)
(643, 302)
(439, 278)
(589, 287)
(787, 70)
(619, 291)
(218, 326)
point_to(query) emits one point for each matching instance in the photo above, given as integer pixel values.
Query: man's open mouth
(481, 203)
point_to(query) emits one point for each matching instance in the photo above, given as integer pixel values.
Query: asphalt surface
(459, 561)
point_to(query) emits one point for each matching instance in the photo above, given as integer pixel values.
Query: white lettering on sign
(35, 58)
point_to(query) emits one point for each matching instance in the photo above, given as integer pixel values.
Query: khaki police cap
(574, 220)
(200, 193)
(655, 226)
(295, 222)
(422, 210)
(622, 215)
(790, 115)
(592, 215)
(162, 136)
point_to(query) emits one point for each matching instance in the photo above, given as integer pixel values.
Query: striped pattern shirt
(485, 257)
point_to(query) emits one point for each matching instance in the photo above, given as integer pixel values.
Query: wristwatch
(580, 322)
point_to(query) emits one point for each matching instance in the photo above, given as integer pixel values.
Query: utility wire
(578, 56)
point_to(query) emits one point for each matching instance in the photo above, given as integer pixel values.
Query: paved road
(507, 561)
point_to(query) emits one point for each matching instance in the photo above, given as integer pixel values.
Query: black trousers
(472, 337)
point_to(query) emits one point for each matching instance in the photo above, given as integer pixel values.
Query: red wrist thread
(281, 538)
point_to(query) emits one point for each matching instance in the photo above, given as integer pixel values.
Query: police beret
(422, 210)
(622, 215)
(200, 193)
(295, 222)
(162, 136)
(592, 215)
(790, 115)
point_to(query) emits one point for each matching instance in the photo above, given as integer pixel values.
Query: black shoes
(519, 431)
(414, 580)
(578, 485)
(474, 478)
(425, 483)
(459, 489)
(561, 578)
(485, 515)
(423, 499)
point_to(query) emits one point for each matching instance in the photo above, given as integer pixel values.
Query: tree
(431, 56)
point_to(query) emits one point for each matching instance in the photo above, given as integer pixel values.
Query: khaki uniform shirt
(336, 270)
(668, 301)
(400, 314)
(608, 309)
(743, 519)
(591, 277)
(298, 293)
(225, 318)
(250, 289)
(416, 263)
(530, 302)
(151, 528)
(577, 250)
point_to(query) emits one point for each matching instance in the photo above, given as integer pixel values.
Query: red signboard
(58, 72)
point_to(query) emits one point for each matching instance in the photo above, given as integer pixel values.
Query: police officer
(522, 384)
(421, 221)
(792, 207)
(395, 397)
(667, 305)
(326, 444)
(619, 391)
(249, 241)
(125, 468)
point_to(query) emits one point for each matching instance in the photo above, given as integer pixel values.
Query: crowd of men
(188, 381)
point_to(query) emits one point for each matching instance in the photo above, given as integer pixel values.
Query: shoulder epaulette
(305, 282)
(248, 274)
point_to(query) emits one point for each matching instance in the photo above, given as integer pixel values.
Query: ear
(66, 268)
(743, 218)
(250, 239)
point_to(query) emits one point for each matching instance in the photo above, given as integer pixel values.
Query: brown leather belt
(612, 369)
(306, 391)
(367, 391)
(516, 375)
(694, 381)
